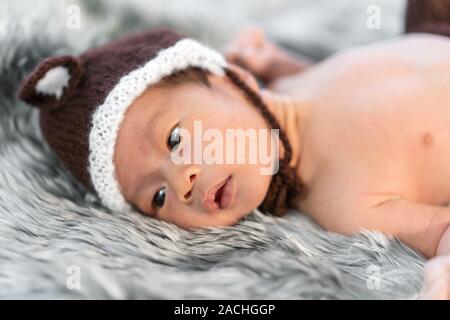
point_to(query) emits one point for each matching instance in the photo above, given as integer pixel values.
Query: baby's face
(190, 195)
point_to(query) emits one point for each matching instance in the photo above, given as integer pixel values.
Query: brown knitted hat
(83, 100)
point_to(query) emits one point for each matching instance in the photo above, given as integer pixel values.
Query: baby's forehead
(187, 93)
(158, 101)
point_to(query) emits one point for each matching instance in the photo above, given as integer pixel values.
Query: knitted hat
(83, 100)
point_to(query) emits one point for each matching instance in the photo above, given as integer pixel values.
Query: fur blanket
(56, 241)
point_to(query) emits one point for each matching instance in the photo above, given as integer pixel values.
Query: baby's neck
(291, 114)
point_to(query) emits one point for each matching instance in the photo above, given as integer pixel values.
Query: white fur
(54, 81)
(108, 117)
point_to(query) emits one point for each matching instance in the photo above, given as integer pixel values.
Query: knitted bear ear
(51, 81)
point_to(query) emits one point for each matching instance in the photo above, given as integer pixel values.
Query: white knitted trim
(108, 117)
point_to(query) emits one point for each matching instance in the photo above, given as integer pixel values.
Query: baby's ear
(52, 80)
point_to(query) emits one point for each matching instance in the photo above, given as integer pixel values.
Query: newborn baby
(369, 140)
(363, 134)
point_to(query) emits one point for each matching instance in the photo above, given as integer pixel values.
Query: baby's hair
(285, 184)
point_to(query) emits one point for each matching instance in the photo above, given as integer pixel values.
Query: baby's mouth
(219, 196)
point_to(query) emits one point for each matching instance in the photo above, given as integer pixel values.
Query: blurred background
(314, 28)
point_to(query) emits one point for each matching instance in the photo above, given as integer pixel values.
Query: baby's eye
(174, 138)
(160, 196)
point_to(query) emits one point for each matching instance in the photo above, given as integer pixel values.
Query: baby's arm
(251, 50)
(444, 244)
(423, 227)
(437, 272)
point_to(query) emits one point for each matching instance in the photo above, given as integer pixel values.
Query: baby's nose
(188, 195)
(182, 179)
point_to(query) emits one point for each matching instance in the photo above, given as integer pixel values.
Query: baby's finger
(233, 50)
(230, 54)
(249, 36)
(254, 36)
(241, 56)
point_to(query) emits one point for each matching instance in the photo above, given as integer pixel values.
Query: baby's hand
(437, 279)
(251, 50)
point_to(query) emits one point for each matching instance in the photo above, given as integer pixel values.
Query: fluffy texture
(48, 223)
(108, 117)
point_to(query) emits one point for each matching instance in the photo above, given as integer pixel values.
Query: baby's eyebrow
(150, 125)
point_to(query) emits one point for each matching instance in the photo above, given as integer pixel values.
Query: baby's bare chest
(388, 126)
(401, 147)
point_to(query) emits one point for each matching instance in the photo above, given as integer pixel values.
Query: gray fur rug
(56, 241)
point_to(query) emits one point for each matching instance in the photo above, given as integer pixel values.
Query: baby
(364, 136)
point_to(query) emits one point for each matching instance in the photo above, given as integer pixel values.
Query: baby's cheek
(261, 188)
(183, 215)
